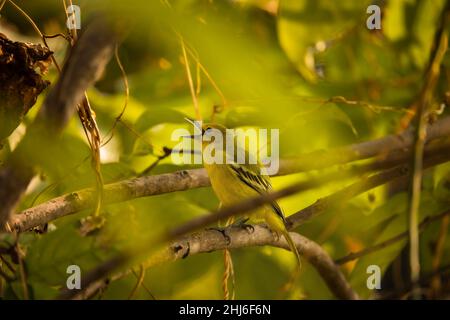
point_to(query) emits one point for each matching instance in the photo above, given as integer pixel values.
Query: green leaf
(396, 208)
(154, 116)
(49, 257)
(302, 34)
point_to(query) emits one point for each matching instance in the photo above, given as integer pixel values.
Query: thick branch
(208, 241)
(83, 67)
(115, 192)
(357, 188)
(364, 150)
(211, 240)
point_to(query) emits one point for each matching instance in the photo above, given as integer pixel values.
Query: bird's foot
(275, 234)
(241, 223)
(223, 232)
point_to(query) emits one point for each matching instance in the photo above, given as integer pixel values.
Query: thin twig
(38, 31)
(438, 253)
(23, 275)
(56, 36)
(138, 283)
(127, 96)
(143, 284)
(420, 135)
(195, 56)
(7, 264)
(135, 133)
(2, 4)
(167, 153)
(191, 83)
(373, 107)
(5, 276)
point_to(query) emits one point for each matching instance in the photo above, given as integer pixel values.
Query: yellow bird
(234, 183)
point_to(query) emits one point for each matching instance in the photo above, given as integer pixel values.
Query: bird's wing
(250, 174)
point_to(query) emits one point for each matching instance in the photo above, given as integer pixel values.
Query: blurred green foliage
(267, 58)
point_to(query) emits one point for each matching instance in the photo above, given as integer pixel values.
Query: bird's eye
(206, 130)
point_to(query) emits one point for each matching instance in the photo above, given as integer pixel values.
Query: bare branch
(357, 188)
(364, 150)
(210, 240)
(115, 192)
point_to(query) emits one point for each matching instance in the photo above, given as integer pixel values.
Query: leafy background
(276, 64)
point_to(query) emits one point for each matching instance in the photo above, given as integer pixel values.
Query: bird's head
(209, 130)
(208, 127)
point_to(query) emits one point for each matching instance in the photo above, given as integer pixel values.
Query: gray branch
(211, 240)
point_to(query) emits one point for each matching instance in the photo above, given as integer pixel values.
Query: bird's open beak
(196, 125)
(192, 136)
(193, 122)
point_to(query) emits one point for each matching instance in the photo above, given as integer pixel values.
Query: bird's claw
(248, 227)
(241, 223)
(275, 234)
(223, 232)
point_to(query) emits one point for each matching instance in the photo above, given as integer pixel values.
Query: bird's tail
(294, 276)
(277, 224)
(293, 247)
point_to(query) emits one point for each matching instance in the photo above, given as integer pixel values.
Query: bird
(235, 182)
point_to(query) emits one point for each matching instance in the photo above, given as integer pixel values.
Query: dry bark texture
(21, 68)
